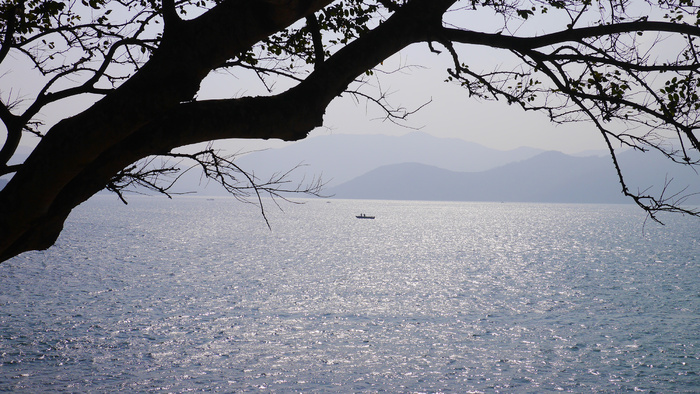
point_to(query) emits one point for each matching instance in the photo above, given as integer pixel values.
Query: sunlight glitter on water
(427, 297)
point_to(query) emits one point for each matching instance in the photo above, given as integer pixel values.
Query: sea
(200, 295)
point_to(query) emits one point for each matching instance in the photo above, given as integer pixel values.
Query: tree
(631, 69)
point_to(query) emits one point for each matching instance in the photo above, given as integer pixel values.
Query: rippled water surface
(199, 295)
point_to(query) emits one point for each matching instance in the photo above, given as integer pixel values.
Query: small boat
(363, 216)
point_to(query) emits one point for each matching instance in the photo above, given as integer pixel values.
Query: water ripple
(197, 295)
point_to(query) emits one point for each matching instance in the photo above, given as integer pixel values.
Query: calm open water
(198, 295)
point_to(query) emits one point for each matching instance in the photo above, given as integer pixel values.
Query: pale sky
(451, 113)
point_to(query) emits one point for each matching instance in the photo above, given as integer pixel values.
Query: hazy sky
(451, 113)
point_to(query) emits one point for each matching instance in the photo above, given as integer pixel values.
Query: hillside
(547, 177)
(342, 157)
(418, 166)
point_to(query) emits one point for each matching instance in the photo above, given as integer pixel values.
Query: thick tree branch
(319, 52)
(11, 22)
(170, 17)
(522, 44)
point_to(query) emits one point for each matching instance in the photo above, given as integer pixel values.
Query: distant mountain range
(547, 177)
(342, 157)
(418, 166)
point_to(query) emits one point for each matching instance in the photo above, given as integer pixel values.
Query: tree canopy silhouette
(629, 68)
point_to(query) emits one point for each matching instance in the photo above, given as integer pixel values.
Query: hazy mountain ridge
(377, 167)
(547, 177)
(418, 166)
(342, 157)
